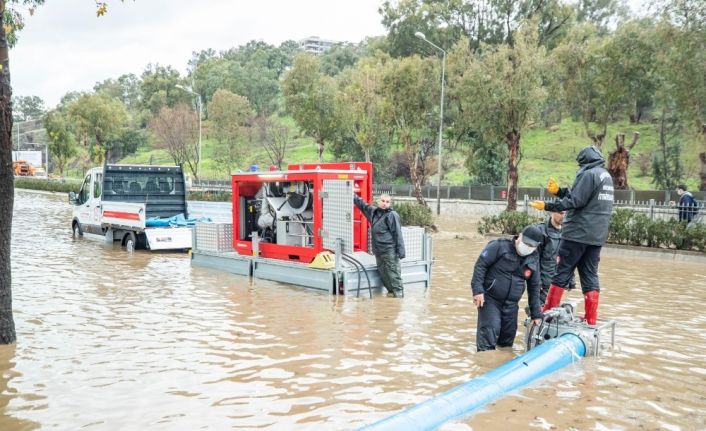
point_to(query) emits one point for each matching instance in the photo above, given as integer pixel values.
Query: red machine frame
(249, 183)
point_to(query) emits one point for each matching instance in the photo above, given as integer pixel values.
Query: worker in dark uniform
(688, 207)
(548, 251)
(500, 274)
(589, 205)
(388, 244)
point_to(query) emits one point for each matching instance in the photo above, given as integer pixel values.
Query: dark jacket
(589, 202)
(502, 274)
(385, 228)
(687, 207)
(548, 251)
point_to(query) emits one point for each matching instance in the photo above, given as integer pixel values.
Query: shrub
(506, 223)
(639, 230)
(619, 228)
(635, 228)
(414, 214)
(47, 185)
(627, 226)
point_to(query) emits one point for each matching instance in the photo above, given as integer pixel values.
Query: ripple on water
(145, 341)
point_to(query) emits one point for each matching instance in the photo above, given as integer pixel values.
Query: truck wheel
(76, 229)
(142, 241)
(130, 242)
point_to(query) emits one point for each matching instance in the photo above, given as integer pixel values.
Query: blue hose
(542, 360)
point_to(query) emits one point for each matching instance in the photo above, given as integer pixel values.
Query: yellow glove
(552, 186)
(537, 205)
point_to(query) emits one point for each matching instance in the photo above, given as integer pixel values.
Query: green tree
(682, 60)
(27, 108)
(158, 88)
(667, 168)
(62, 142)
(230, 114)
(310, 97)
(501, 90)
(125, 88)
(361, 104)
(410, 87)
(338, 58)
(127, 143)
(486, 162)
(487, 22)
(98, 119)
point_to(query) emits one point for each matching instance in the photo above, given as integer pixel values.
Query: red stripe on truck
(120, 214)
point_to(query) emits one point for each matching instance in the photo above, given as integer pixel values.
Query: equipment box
(214, 237)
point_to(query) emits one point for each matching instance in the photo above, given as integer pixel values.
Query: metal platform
(344, 278)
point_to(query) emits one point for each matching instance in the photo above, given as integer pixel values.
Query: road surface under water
(109, 340)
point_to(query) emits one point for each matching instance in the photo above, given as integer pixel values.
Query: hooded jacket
(385, 228)
(502, 274)
(589, 202)
(687, 207)
(548, 251)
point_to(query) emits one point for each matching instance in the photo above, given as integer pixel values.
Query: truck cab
(121, 202)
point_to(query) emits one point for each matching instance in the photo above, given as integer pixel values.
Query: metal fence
(653, 209)
(658, 204)
(499, 193)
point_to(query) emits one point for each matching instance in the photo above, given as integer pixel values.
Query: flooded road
(114, 341)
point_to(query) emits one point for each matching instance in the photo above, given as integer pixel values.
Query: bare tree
(275, 137)
(177, 130)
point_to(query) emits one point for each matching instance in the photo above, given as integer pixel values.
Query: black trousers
(497, 324)
(573, 255)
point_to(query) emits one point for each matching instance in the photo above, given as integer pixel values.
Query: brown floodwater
(114, 341)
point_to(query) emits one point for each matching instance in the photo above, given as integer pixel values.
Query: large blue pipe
(463, 399)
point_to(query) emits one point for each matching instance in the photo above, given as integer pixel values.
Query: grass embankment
(545, 152)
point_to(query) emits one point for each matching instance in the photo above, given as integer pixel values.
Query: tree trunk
(702, 175)
(702, 157)
(320, 149)
(413, 161)
(513, 150)
(619, 161)
(7, 189)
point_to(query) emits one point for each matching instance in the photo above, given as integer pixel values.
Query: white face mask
(524, 250)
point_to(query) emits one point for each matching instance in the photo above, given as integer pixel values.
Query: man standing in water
(500, 274)
(388, 244)
(589, 205)
(548, 251)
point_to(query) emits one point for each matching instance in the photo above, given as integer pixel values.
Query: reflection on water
(115, 341)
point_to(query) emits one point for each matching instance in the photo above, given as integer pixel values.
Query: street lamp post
(192, 92)
(421, 35)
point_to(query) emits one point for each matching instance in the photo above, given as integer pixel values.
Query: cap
(532, 236)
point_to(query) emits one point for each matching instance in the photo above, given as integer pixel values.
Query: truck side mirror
(72, 198)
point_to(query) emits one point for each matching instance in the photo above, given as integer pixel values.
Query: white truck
(118, 201)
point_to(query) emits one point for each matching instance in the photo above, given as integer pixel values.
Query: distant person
(548, 251)
(503, 269)
(388, 244)
(589, 205)
(687, 204)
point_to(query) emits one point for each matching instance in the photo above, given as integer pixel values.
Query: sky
(64, 47)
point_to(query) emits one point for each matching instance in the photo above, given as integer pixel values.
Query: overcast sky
(64, 47)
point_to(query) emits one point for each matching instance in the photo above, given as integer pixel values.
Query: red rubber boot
(591, 306)
(553, 297)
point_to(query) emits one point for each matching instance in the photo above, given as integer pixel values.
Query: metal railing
(653, 209)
